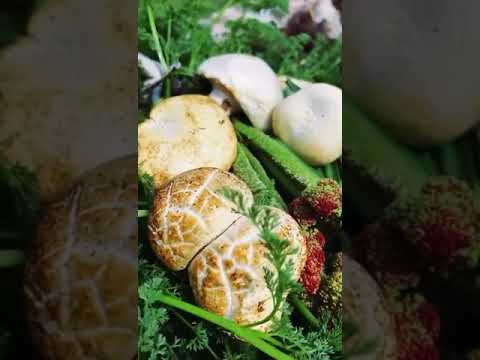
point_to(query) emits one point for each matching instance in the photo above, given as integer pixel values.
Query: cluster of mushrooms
(188, 144)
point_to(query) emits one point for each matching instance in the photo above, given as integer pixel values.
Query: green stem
(329, 171)
(249, 335)
(276, 308)
(304, 311)
(142, 213)
(292, 187)
(467, 145)
(369, 146)
(248, 168)
(193, 330)
(450, 163)
(11, 258)
(156, 39)
(293, 166)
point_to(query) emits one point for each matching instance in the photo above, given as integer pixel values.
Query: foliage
(19, 195)
(280, 281)
(183, 40)
(170, 326)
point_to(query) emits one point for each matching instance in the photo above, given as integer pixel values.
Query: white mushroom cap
(247, 81)
(310, 122)
(184, 133)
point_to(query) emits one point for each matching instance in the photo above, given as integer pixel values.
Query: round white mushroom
(246, 82)
(310, 122)
(184, 133)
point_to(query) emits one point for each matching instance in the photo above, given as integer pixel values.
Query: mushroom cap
(184, 133)
(390, 71)
(310, 122)
(80, 283)
(228, 277)
(250, 80)
(187, 214)
(365, 307)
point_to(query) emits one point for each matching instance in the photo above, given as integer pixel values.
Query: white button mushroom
(184, 133)
(411, 68)
(246, 82)
(310, 122)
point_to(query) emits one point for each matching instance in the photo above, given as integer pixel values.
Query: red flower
(383, 251)
(326, 200)
(312, 273)
(301, 210)
(442, 222)
(414, 338)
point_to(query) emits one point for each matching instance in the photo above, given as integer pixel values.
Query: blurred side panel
(412, 174)
(68, 179)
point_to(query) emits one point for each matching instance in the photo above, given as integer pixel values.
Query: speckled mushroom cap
(81, 275)
(184, 133)
(364, 306)
(228, 278)
(188, 213)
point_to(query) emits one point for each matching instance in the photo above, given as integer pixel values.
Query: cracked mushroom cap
(228, 278)
(80, 283)
(249, 81)
(365, 308)
(184, 133)
(187, 214)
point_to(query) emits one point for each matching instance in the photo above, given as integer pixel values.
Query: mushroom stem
(224, 99)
